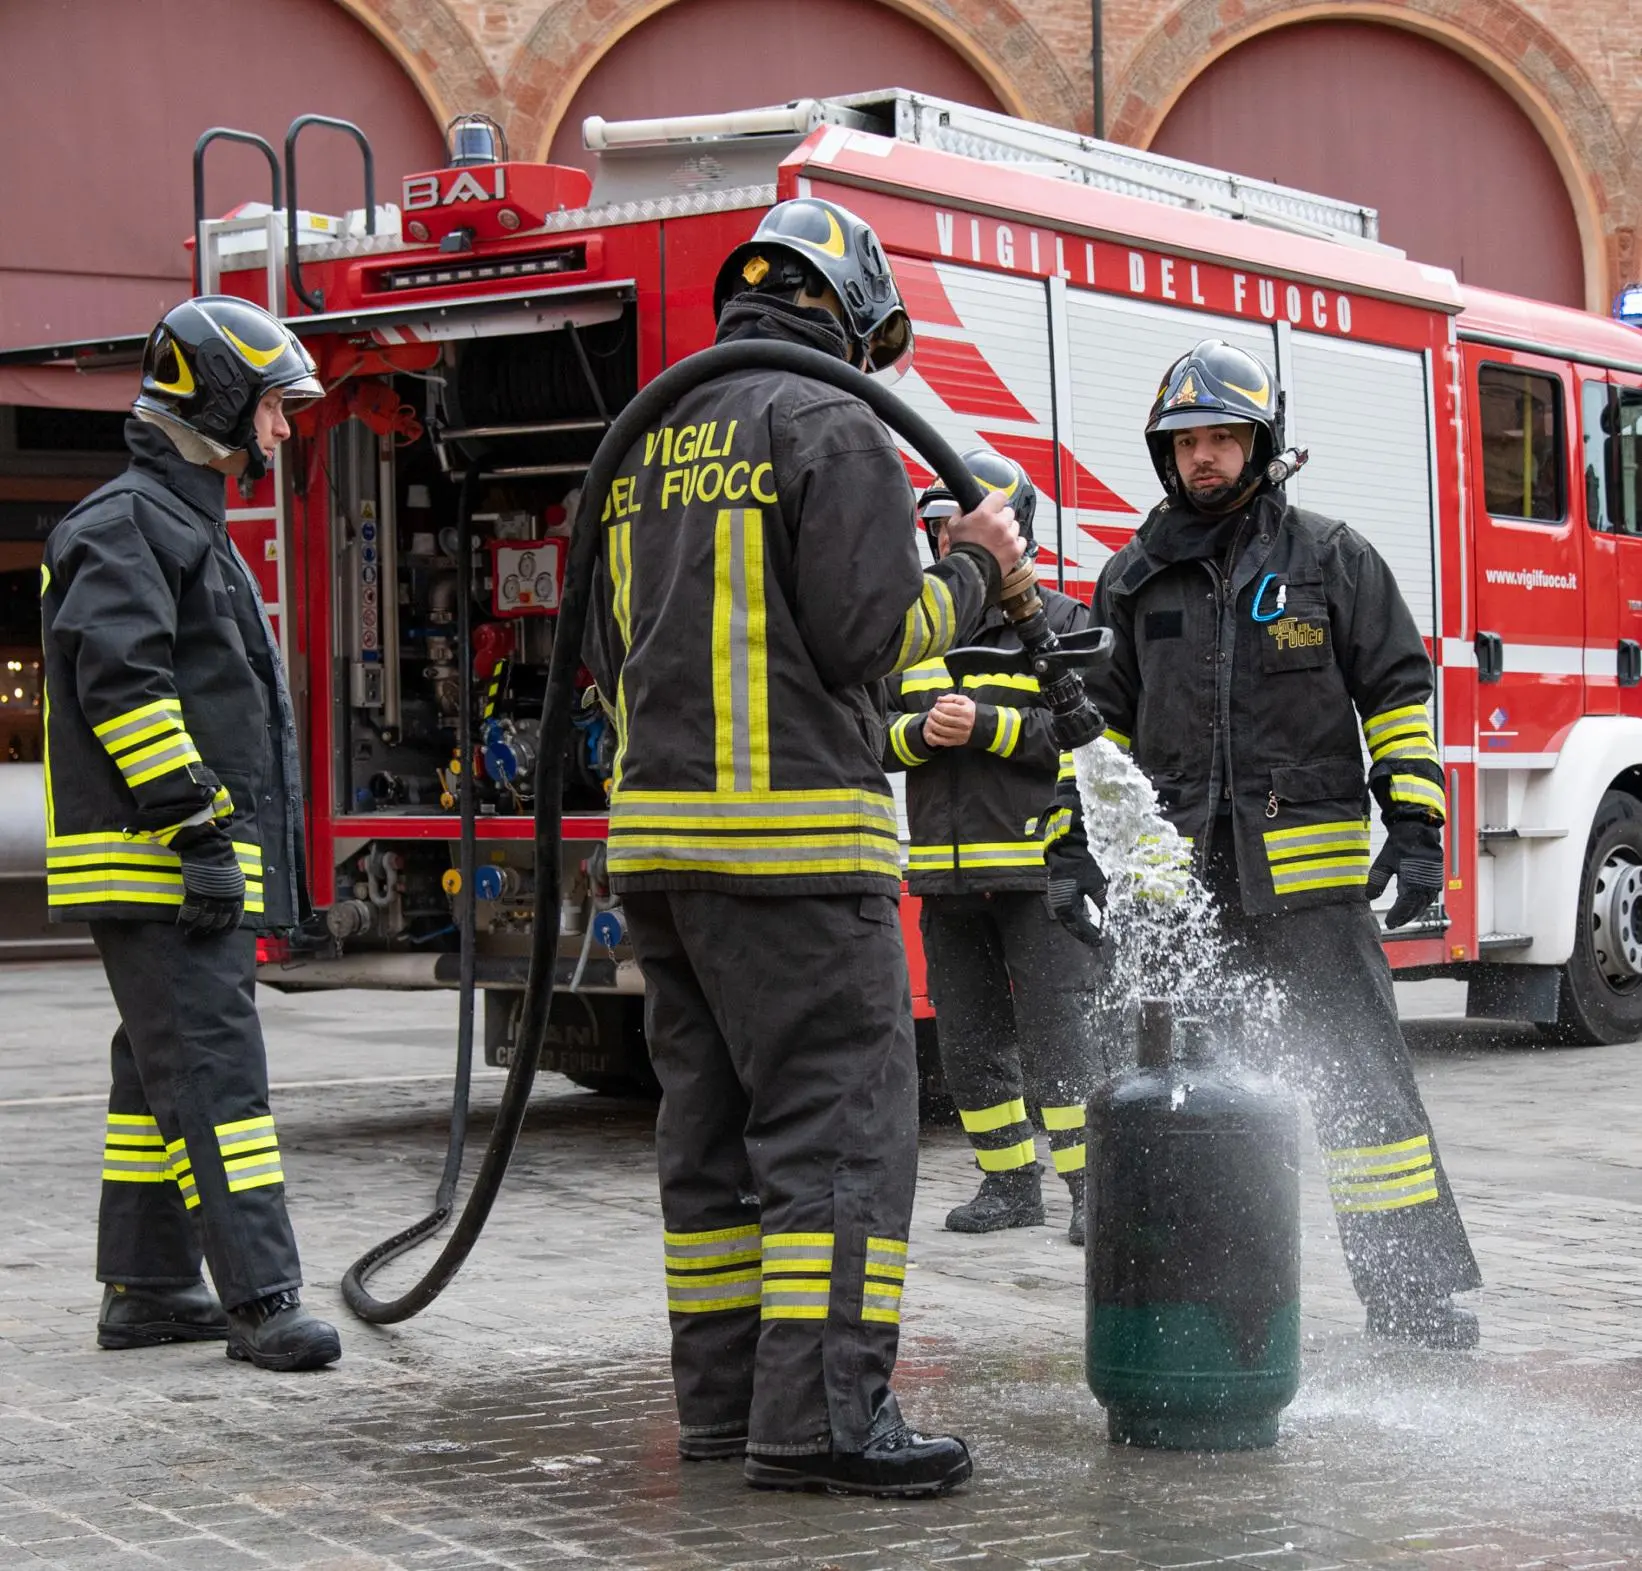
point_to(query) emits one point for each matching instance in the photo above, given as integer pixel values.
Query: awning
(53, 387)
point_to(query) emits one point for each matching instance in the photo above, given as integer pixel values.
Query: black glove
(1412, 854)
(1077, 888)
(213, 886)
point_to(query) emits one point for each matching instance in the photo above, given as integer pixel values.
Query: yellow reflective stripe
(754, 856)
(1057, 825)
(164, 757)
(122, 877)
(983, 1120)
(243, 1125)
(155, 729)
(1418, 791)
(1376, 725)
(1069, 1117)
(709, 1294)
(1008, 1159)
(1348, 1156)
(898, 728)
(112, 893)
(1332, 873)
(1117, 739)
(1070, 1159)
(1318, 845)
(1011, 853)
(740, 655)
(929, 626)
(738, 810)
(1068, 768)
(1008, 734)
(1019, 684)
(928, 859)
(1355, 828)
(925, 677)
(131, 717)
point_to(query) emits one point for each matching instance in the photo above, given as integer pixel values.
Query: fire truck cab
(484, 330)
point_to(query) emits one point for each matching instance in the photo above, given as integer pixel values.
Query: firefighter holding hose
(174, 827)
(1259, 651)
(1012, 989)
(758, 581)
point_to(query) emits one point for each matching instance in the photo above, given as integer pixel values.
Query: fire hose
(1055, 661)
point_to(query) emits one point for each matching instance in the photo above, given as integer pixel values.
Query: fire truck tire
(1600, 997)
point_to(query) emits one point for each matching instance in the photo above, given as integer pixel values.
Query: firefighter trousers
(1339, 1041)
(1015, 1004)
(190, 1139)
(780, 1029)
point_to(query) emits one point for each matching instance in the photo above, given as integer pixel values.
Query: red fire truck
(496, 318)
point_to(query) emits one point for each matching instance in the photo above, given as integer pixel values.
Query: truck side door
(1530, 550)
(1612, 420)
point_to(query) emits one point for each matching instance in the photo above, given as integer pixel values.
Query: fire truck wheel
(1601, 991)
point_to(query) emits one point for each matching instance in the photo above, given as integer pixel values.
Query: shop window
(1522, 444)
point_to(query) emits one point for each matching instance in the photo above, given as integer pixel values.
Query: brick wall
(1572, 64)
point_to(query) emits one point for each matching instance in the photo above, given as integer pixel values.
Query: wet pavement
(526, 1418)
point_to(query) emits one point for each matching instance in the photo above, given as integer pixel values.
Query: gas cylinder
(1193, 1254)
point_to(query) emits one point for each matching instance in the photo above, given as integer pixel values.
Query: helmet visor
(889, 344)
(303, 390)
(1188, 419)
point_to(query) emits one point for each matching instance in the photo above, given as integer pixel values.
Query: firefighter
(1012, 989)
(174, 828)
(1252, 639)
(758, 580)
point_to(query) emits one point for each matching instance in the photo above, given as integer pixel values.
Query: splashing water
(1162, 924)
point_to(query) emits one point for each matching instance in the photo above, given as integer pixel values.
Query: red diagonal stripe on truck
(964, 382)
(1074, 483)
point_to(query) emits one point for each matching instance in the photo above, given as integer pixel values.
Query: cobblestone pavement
(525, 1420)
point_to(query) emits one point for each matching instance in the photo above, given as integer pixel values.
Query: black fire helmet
(808, 242)
(1215, 384)
(991, 472)
(211, 360)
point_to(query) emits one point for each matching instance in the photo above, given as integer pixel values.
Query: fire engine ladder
(1002, 139)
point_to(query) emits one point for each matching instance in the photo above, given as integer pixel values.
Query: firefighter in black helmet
(759, 579)
(1260, 652)
(1012, 989)
(174, 827)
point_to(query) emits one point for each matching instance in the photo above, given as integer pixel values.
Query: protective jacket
(1246, 652)
(759, 578)
(165, 702)
(968, 808)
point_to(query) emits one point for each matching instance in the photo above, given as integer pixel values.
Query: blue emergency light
(1627, 308)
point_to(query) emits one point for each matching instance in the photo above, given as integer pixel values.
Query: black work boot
(1074, 1232)
(1425, 1322)
(896, 1461)
(1013, 1199)
(276, 1332)
(148, 1316)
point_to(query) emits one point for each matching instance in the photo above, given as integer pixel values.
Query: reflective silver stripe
(799, 854)
(1322, 839)
(164, 893)
(792, 1305)
(95, 850)
(150, 763)
(717, 1290)
(111, 733)
(134, 1165)
(799, 1258)
(252, 1171)
(866, 809)
(741, 739)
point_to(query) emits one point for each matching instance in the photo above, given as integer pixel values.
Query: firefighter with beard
(1259, 650)
(758, 581)
(1012, 989)
(174, 827)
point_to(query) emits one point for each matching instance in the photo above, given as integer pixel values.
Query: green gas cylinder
(1193, 1253)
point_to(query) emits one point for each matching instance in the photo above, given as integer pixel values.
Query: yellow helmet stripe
(832, 246)
(185, 384)
(260, 358)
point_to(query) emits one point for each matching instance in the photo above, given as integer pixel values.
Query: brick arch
(436, 51)
(1540, 75)
(571, 36)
